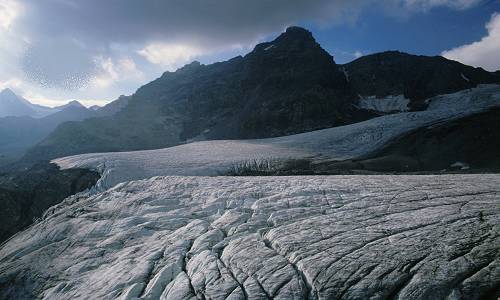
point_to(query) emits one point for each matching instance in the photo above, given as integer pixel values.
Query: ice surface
(345, 142)
(324, 237)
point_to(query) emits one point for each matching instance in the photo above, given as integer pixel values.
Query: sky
(93, 51)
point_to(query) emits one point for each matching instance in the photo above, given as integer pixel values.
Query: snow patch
(461, 165)
(269, 47)
(346, 74)
(464, 77)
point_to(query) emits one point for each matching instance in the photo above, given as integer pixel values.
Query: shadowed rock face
(24, 196)
(336, 237)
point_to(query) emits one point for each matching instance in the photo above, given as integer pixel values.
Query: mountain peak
(297, 44)
(296, 30)
(7, 92)
(190, 66)
(296, 35)
(72, 103)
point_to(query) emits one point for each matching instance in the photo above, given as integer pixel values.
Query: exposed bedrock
(335, 237)
(25, 195)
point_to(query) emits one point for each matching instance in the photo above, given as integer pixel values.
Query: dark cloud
(69, 34)
(205, 22)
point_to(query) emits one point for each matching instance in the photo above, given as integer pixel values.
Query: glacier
(322, 237)
(209, 158)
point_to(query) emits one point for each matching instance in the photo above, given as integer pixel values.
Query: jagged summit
(294, 43)
(191, 66)
(294, 49)
(294, 40)
(298, 33)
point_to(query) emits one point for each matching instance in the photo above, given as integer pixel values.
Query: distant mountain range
(290, 85)
(23, 124)
(12, 105)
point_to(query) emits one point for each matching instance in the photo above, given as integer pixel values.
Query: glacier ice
(323, 237)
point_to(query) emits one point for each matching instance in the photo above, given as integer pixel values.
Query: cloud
(194, 22)
(9, 10)
(114, 71)
(59, 63)
(484, 53)
(171, 56)
(429, 4)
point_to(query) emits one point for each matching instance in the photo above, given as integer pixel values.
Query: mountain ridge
(13, 105)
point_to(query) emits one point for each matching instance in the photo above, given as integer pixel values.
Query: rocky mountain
(415, 77)
(286, 86)
(13, 105)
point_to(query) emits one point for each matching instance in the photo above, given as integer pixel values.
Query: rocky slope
(335, 237)
(26, 195)
(290, 85)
